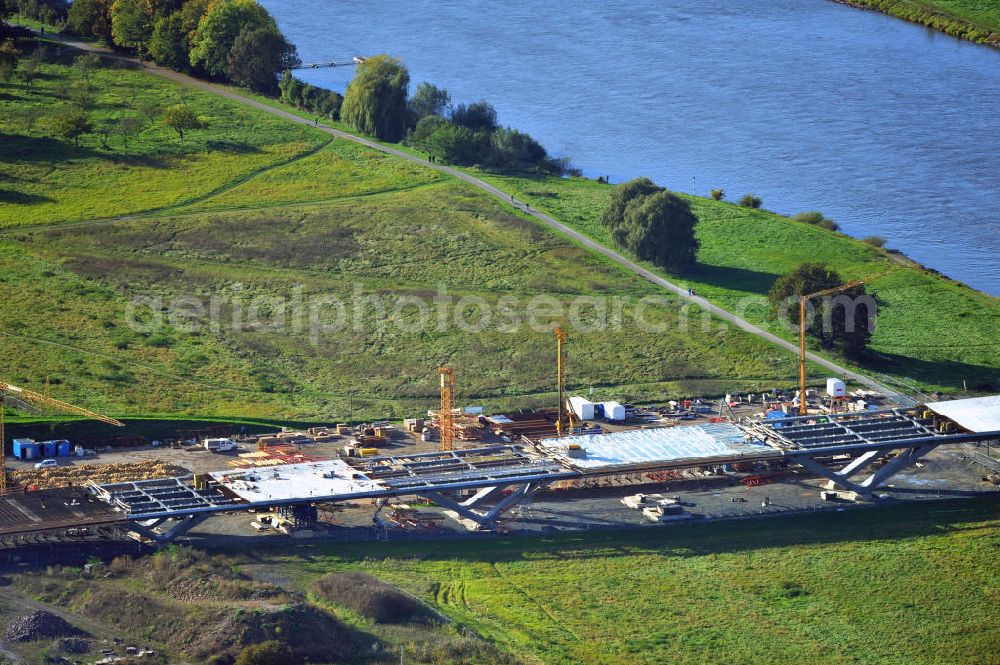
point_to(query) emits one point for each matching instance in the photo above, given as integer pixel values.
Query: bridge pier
(867, 487)
(149, 531)
(471, 508)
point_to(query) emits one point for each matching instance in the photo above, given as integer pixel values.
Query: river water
(887, 127)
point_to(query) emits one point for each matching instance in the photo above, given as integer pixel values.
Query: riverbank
(964, 19)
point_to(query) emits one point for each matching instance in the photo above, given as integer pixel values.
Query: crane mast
(560, 377)
(446, 417)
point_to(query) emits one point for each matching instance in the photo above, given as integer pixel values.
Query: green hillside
(338, 220)
(250, 209)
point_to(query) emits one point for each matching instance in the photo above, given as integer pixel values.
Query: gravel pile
(38, 625)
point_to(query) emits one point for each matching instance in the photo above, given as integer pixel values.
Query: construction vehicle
(32, 402)
(219, 445)
(803, 299)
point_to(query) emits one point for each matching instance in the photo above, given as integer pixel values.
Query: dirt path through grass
(551, 222)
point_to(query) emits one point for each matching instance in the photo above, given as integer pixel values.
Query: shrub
(512, 148)
(458, 145)
(426, 127)
(271, 652)
(810, 217)
(370, 597)
(718, 194)
(875, 241)
(816, 218)
(750, 201)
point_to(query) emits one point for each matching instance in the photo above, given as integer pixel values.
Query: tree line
(236, 41)
(376, 103)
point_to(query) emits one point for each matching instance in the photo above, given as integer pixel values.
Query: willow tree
(653, 224)
(375, 101)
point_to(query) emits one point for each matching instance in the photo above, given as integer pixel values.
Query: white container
(614, 411)
(583, 408)
(835, 388)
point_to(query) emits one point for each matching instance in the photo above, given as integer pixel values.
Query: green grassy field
(46, 180)
(908, 584)
(413, 243)
(931, 330)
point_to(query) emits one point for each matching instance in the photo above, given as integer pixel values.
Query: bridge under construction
(856, 452)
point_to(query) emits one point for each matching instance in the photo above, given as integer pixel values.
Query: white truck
(219, 445)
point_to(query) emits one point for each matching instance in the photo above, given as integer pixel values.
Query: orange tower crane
(446, 418)
(32, 401)
(803, 299)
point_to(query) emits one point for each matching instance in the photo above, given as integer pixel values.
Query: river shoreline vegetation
(238, 42)
(976, 21)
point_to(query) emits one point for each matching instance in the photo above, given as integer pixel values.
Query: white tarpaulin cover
(645, 446)
(976, 414)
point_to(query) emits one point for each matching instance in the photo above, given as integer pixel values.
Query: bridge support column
(162, 538)
(470, 508)
(867, 486)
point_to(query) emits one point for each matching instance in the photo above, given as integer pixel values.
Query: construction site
(458, 470)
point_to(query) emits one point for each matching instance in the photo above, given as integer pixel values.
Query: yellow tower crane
(803, 299)
(446, 418)
(28, 399)
(560, 377)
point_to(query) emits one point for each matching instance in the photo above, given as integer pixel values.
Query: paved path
(739, 322)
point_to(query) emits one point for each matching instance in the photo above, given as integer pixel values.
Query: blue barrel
(49, 449)
(30, 450)
(65, 450)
